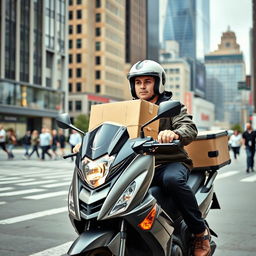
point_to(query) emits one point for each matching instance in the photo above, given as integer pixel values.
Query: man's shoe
(202, 244)
(247, 170)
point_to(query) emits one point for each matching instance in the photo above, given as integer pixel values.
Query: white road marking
(54, 251)
(249, 179)
(2, 202)
(22, 192)
(36, 182)
(33, 216)
(15, 181)
(60, 184)
(226, 174)
(6, 189)
(10, 178)
(47, 195)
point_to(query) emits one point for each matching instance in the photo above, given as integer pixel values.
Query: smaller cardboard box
(209, 150)
(132, 114)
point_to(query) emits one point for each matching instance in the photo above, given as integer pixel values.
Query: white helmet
(147, 68)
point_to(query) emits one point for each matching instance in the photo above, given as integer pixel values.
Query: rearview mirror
(166, 109)
(63, 121)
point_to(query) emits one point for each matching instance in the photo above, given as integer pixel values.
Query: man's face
(144, 87)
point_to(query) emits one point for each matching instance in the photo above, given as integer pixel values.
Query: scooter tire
(99, 252)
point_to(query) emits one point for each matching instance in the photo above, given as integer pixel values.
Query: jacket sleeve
(183, 125)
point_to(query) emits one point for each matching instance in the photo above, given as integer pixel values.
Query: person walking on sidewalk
(74, 139)
(235, 142)
(249, 136)
(45, 142)
(3, 140)
(11, 142)
(26, 140)
(34, 143)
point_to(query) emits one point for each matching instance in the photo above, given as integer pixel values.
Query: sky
(238, 15)
(223, 13)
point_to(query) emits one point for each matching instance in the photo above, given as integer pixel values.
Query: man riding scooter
(147, 79)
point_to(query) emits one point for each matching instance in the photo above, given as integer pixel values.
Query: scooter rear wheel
(99, 252)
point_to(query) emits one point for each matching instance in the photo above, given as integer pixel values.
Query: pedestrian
(55, 143)
(62, 141)
(249, 136)
(235, 142)
(45, 142)
(11, 142)
(34, 143)
(3, 139)
(26, 141)
(74, 139)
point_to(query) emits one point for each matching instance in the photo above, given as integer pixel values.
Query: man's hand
(76, 148)
(167, 136)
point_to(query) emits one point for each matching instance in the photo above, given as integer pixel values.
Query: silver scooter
(111, 203)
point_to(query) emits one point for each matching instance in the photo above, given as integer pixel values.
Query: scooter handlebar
(69, 155)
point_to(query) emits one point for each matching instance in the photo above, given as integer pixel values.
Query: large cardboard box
(132, 114)
(209, 150)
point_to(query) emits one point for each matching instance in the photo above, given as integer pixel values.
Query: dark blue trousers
(172, 179)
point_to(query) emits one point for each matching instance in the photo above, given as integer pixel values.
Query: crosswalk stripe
(15, 181)
(6, 189)
(10, 178)
(2, 202)
(47, 195)
(249, 179)
(22, 192)
(33, 216)
(52, 175)
(56, 185)
(36, 182)
(226, 174)
(54, 251)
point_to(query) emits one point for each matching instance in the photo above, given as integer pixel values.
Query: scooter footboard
(93, 239)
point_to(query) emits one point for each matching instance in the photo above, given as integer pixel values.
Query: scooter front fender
(93, 239)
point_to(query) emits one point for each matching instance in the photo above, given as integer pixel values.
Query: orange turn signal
(148, 222)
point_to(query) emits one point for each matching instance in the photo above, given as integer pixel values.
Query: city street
(34, 219)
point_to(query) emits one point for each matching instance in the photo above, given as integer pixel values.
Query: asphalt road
(34, 219)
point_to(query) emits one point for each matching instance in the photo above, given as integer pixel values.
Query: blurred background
(64, 56)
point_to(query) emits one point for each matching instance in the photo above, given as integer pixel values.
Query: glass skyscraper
(187, 22)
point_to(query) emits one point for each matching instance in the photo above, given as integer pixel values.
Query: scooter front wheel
(99, 252)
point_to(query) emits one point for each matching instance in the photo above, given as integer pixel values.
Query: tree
(82, 122)
(237, 127)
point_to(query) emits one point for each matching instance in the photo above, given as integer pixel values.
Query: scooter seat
(196, 178)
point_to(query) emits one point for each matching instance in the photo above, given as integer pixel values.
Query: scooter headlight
(96, 172)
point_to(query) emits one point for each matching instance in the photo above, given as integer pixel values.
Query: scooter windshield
(96, 143)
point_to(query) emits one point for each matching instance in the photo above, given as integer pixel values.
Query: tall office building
(253, 68)
(135, 31)
(96, 53)
(32, 63)
(225, 68)
(187, 22)
(153, 41)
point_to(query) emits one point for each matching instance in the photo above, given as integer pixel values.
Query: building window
(97, 60)
(97, 74)
(70, 73)
(98, 3)
(79, 14)
(70, 2)
(78, 87)
(78, 105)
(79, 58)
(97, 88)
(97, 31)
(97, 46)
(79, 43)
(70, 87)
(98, 17)
(70, 58)
(70, 106)
(79, 28)
(177, 86)
(78, 1)
(70, 44)
(70, 15)
(78, 72)
(70, 29)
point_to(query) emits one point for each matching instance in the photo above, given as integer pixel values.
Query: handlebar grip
(69, 155)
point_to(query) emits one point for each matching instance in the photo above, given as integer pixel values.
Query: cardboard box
(132, 114)
(209, 150)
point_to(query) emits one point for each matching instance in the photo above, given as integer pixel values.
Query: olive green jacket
(182, 125)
